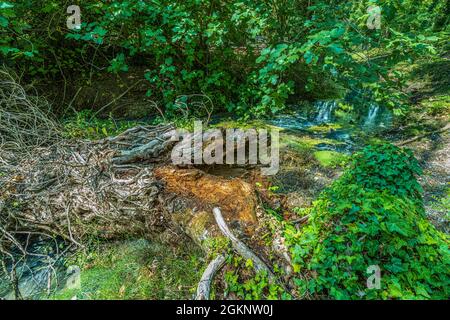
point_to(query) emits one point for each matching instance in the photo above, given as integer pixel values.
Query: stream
(347, 134)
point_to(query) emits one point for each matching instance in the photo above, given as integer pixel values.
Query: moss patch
(137, 270)
(324, 128)
(301, 143)
(329, 158)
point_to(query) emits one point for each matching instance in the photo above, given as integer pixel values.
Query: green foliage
(372, 215)
(388, 168)
(249, 57)
(10, 26)
(255, 287)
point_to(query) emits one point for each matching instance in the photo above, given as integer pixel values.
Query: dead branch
(240, 247)
(204, 286)
(24, 118)
(402, 143)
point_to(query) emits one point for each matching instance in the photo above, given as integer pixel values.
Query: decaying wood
(236, 197)
(113, 186)
(204, 286)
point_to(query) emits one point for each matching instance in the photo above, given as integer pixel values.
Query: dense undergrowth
(247, 57)
(372, 216)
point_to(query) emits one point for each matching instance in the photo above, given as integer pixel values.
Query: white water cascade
(325, 111)
(372, 115)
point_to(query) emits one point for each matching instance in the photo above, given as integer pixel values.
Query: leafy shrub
(248, 56)
(386, 167)
(372, 215)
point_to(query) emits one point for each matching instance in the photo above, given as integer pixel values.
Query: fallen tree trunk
(122, 185)
(51, 187)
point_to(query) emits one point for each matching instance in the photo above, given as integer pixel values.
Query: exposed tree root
(70, 186)
(240, 247)
(204, 286)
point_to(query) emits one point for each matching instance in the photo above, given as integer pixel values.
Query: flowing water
(372, 115)
(42, 269)
(377, 118)
(325, 111)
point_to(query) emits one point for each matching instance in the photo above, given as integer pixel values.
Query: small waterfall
(372, 115)
(325, 110)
